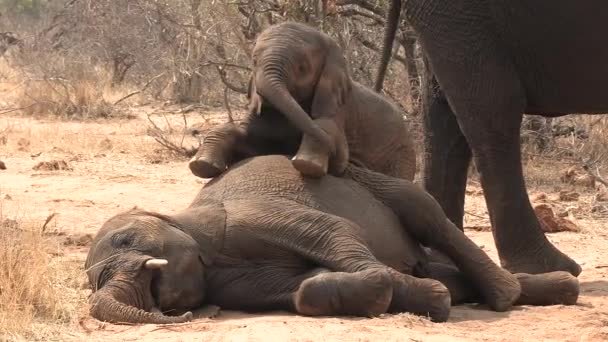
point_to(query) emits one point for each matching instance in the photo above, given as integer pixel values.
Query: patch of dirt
(108, 178)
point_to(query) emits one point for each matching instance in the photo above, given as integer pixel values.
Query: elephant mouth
(154, 289)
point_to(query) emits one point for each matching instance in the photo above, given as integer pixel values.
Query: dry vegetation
(39, 290)
(116, 87)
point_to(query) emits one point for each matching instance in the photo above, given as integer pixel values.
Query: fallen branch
(16, 109)
(140, 90)
(159, 136)
(474, 215)
(47, 221)
(227, 104)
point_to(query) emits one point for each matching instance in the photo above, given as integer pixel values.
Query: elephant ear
(206, 224)
(333, 85)
(255, 101)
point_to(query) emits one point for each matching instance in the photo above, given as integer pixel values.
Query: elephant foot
(205, 169)
(311, 165)
(548, 288)
(420, 296)
(366, 293)
(501, 292)
(542, 260)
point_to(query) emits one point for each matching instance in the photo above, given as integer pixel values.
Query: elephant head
(296, 65)
(143, 263)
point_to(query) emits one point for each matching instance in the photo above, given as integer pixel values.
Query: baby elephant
(262, 237)
(301, 84)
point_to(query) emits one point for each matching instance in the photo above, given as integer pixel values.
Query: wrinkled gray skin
(301, 83)
(492, 61)
(262, 237)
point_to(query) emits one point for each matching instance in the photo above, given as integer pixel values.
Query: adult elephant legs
(489, 111)
(447, 154)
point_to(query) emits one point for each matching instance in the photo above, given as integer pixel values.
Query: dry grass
(39, 293)
(64, 99)
(545, 168)
(78, 92)
(94, 139)
(88, 139)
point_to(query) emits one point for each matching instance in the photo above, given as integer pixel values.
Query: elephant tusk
(154, 264)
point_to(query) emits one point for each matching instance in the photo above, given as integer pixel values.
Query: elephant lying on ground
(301, 83)
(262, 237)
(490, 62)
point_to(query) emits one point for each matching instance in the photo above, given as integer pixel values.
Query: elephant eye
(122, 240)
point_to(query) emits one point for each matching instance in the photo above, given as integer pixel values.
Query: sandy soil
(114, 167)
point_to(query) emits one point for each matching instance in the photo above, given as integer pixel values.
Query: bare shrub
(62, 98)
(203, 46)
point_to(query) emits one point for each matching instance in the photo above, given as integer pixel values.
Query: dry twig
(140, 90)
(160, 136)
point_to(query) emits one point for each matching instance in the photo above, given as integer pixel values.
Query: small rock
(550, 223)
(8, 197)
(2, 165)
(569, 196)
(53, 165)
(35, 155)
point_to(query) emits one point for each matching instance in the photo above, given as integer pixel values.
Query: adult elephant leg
(446, 154)
(483, 88)
(490, 115)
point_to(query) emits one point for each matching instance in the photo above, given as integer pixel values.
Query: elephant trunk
(392, 22)
(105, 307)
(270, 83)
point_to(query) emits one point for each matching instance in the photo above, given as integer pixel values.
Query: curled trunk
(273, 88)
(105, 307)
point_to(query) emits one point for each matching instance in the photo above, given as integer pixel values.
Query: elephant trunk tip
(105, 307)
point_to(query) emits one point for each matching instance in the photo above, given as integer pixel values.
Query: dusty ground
(113, 166)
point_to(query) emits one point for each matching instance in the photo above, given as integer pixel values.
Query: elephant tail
(390, 30)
